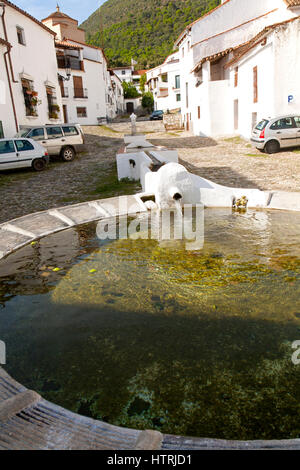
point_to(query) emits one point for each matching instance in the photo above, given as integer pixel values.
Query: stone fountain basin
(27, 421)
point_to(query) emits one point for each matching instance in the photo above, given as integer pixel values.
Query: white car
(271, 135)
(22, 153)
(62, 139)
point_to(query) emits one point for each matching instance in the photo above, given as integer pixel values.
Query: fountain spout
(175, 194)
(175, 187)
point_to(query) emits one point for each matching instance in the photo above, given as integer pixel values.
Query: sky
(77, 9)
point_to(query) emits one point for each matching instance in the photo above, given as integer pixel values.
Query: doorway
(129, 108)
(236, 115)
(65, 112)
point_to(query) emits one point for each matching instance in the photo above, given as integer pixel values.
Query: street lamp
(68, 73)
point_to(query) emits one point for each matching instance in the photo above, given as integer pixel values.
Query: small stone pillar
(133, 123)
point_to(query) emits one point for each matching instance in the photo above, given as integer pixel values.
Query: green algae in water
(194, 343)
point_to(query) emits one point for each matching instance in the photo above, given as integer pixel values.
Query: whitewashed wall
(234, 23)
(171, 67)
(37, 59)
(6, 109)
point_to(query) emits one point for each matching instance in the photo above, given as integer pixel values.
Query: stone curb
(149, 440)
(16, 404)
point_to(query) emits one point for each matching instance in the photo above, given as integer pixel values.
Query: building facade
(50, 75)
(88, 95)
(164, 82)
(238, 64)
(30, 93)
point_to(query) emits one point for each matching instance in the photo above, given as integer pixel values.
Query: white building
(30, 93)
(164, 82)
(117, 95)
(124, 73)
(85, 81)
(238, 64)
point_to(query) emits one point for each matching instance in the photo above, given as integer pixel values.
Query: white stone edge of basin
(275, 200)
(100, 206)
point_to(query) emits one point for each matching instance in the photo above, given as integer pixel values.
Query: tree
(130, 91)
(148, 101)
(143, 80)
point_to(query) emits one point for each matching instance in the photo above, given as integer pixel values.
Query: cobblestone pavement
(25, 191)
(231, 162)
(234, 162)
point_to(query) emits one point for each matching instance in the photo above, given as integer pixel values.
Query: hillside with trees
(143, 30)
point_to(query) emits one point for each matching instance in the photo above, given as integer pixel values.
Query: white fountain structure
(167, 182)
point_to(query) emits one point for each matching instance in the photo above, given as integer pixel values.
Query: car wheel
(68, 154)
(272, 146)
(39, 164)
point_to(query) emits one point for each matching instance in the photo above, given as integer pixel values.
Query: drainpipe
(3, 5)
(9, 85)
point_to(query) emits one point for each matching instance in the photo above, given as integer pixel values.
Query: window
(53, 108)
(37, 134)
(285, 123)
(30, 97)
(261, 125)
(54, 132)
(187, 94)
(255, 90)
(123, 72)
(81, 112)
(188, 46)
(199, 112)
(23, 145)
(177, 81)
(297, 121)
(236, 77)
(183, 52)
(70, 130)
(1, 130)
(178, 97)
(21, 36)
(7, 146)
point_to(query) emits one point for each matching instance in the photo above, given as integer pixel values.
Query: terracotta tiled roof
(139, 72)
(59, 15)
(67, 45)
(242, 49)
(12, 5)
(212, 57)
(292, 3)
(246, 47)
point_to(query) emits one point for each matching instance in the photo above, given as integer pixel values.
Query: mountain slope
(144, 30)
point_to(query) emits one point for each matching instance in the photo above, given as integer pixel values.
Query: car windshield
(22, 133)
(261, 125)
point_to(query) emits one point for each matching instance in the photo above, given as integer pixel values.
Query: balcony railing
(80, 93)
(72, 63)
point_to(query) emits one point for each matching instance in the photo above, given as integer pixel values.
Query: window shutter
(255, 90)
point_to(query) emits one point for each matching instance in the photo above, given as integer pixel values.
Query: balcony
(80, 93)
(68, 62)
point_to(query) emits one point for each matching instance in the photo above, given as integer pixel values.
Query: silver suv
(64, 139)
(271, 135)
